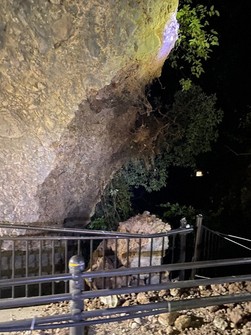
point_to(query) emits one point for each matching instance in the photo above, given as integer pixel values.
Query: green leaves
(115, 205)
(195, 39)
(198, 120)
(176, 211)
(152, 178)
(194, 122)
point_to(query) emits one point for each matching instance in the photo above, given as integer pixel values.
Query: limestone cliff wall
(72, 76)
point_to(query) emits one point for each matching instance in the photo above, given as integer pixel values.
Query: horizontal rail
(164, 307)
(35, 280)
(32, 301)
(167, 267)
(103, 233)
(126, 271)
(128, 312)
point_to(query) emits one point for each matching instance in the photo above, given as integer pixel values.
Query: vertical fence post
(183, 237)
(197, 245)
(76, 267)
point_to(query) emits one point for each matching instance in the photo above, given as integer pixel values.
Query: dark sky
(229, 71)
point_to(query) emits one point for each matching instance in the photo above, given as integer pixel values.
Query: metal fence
(38, 256)
(75, 265)
(213, 245)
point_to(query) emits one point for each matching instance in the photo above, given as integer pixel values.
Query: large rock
(133, 252)
(72, 83)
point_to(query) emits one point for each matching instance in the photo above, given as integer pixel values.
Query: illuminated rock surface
(72, 82)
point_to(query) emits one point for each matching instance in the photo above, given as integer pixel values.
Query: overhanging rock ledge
(72, 83)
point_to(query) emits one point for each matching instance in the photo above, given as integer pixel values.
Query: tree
(197, 119)
(192, 121)
(195, 42)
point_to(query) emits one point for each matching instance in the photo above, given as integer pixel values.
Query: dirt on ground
(214, 320)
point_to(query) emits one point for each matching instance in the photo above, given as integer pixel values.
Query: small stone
(41, 86)
(138, 320)
(202, 288)
(205, 293)
(143, 329)
(234, 288)
(246, 328)
(126, 303)
(142, 298)
(213, 309)
(134, 325)
(169, 331)
(168, 319)
(248, 286)
(162, 293)
(183, 322)
(247, 307)
(235, 315)
(174, 292)
(220, 323)
(110, 300)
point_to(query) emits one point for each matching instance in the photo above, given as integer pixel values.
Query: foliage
(115, 205)
(242, 135)
(196, 121)
(152, 178)
(176, 211)
(245, 122)
(195, 42)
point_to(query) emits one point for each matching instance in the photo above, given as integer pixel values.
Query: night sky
(228, 74)
(228, 71)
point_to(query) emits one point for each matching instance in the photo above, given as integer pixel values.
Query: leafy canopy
(194, 119)
(195, 41)
(198, 120)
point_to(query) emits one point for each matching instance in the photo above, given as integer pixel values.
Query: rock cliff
(72, 84)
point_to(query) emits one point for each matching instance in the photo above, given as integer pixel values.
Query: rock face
(72, 83)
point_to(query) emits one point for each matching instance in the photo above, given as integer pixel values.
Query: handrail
(128, 271)
(103, 233)
(81, 319)
(32, 301)
(128, 312)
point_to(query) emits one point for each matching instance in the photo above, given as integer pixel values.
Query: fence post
(183, 237)
(197, 245)
(76, 267)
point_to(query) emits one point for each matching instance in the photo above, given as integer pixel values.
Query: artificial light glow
(170, 36)
(199, 173)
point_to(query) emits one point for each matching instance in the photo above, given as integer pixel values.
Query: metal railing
(210, 245)
(78, 318)
(36, 256)
(102, 264)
